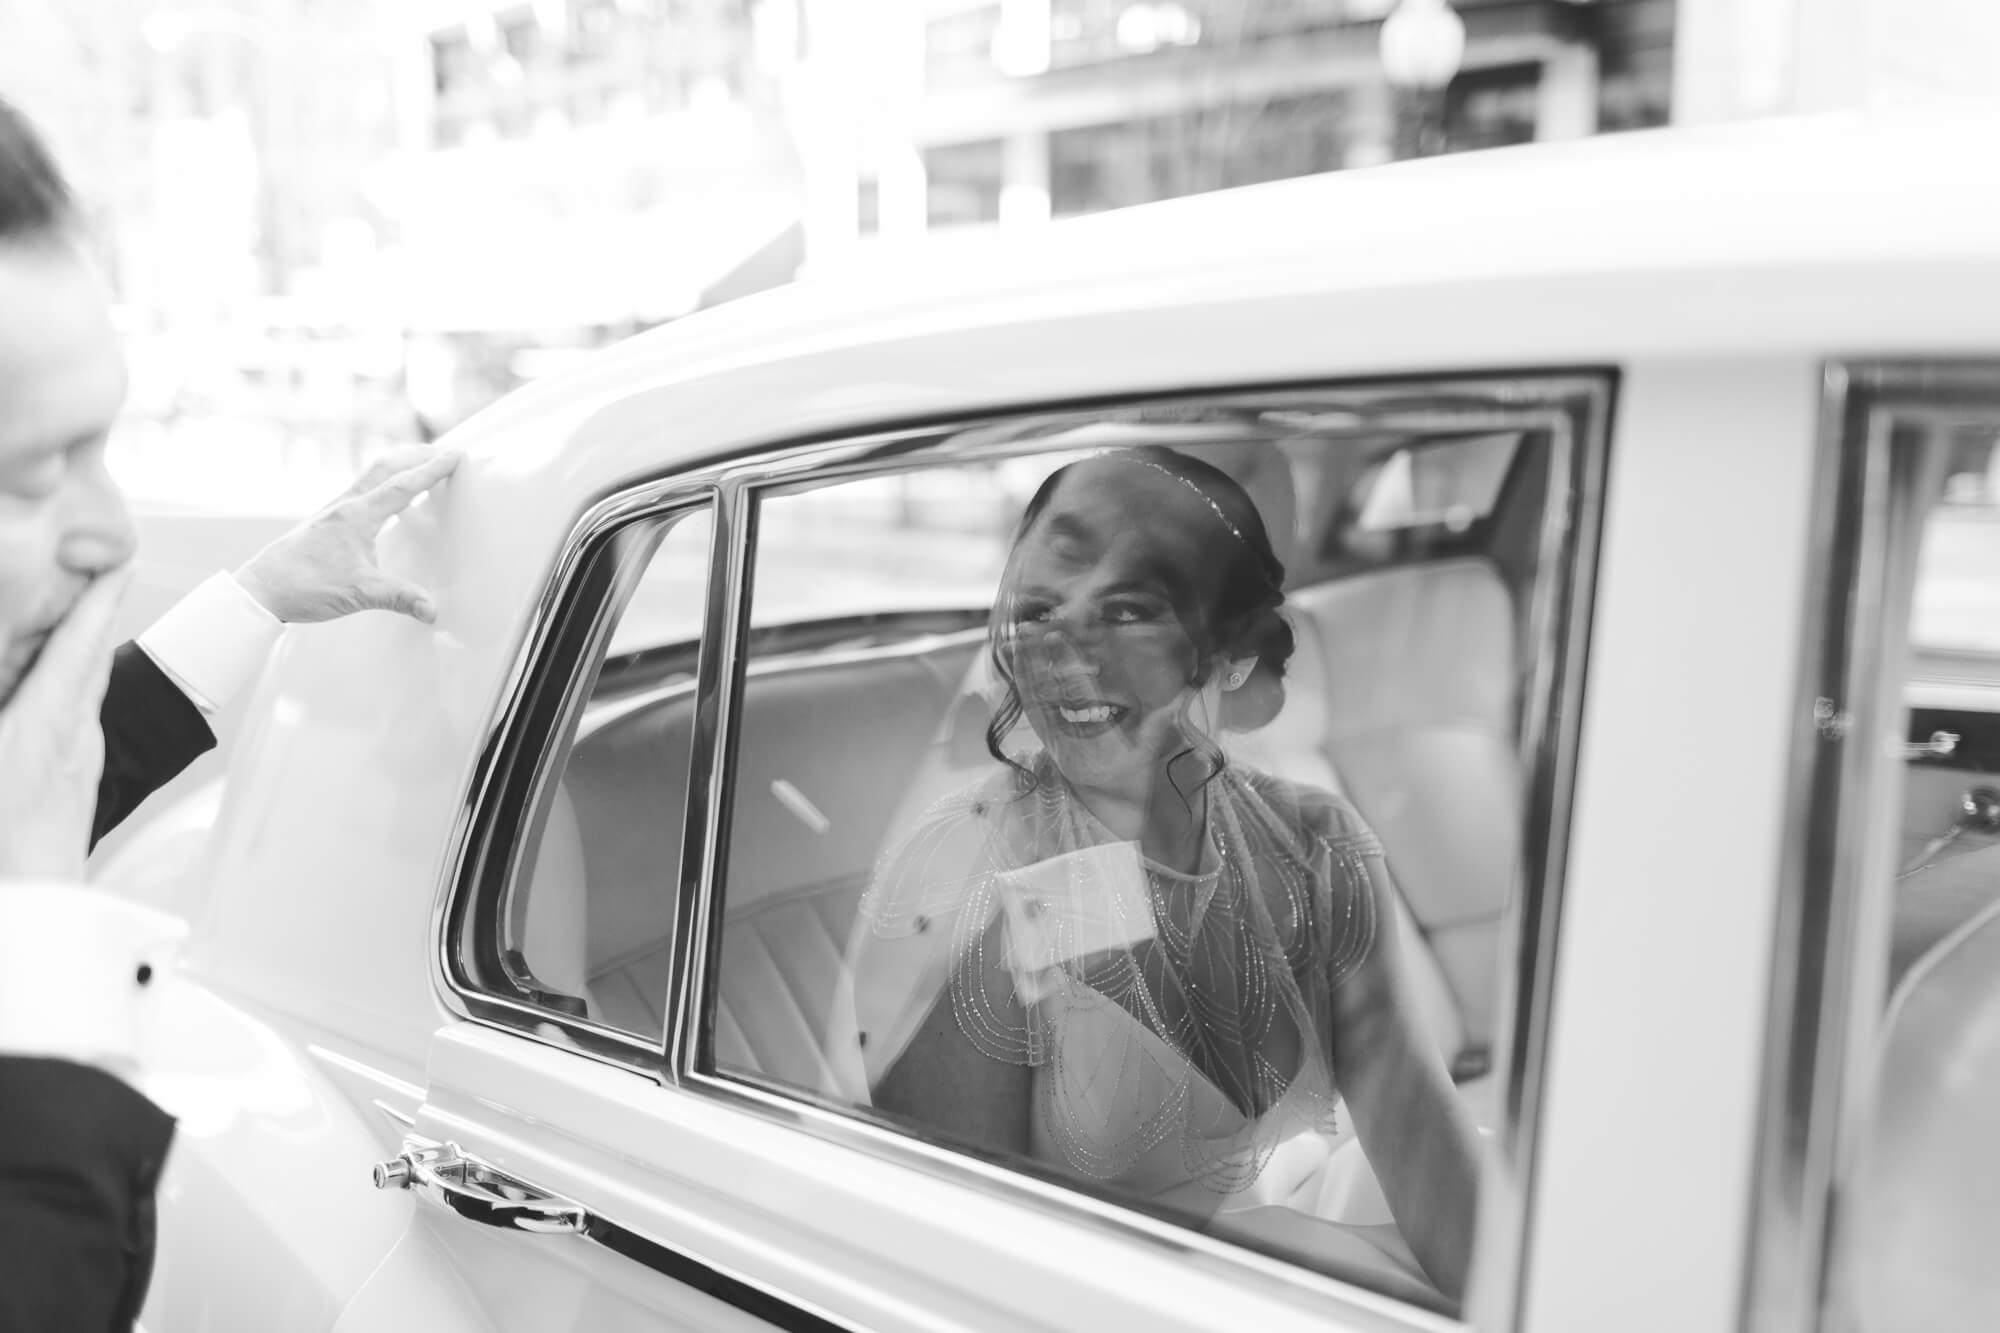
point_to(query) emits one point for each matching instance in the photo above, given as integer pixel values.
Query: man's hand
(51, 748)
(325, 568)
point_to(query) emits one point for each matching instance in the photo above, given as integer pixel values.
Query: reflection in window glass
(963, 182)
(587, 927)
(1068, 828)
(1957, 607)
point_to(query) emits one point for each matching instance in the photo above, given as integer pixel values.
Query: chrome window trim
(641, 1055)
(1554, 721)
(1573, 402)
(1836, 824)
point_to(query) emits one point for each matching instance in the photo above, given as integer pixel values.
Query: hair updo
(1244, 617)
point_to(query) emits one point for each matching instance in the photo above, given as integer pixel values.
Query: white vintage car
(1640, 509)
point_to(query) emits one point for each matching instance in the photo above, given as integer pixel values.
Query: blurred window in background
(964, 182)
(960, 45)
(1493, 108)
(1131, 162)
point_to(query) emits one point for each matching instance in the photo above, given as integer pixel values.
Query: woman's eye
(1127, 613)
(1033, 614)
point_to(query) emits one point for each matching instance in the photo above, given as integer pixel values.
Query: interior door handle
(476, 1191)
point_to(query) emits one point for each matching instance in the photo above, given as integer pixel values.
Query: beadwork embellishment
(1188, 482)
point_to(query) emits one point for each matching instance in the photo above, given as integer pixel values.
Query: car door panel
(268, 1217)
(416, 1286)
(787, 1222)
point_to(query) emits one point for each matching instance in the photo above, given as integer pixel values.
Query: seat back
(1418, 689)
(826, 745)
(1917, 1227)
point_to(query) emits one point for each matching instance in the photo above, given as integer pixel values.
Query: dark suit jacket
(151, 732)
(80, 1151)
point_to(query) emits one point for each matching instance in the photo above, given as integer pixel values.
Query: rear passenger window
(1098, 782)
(581, 931)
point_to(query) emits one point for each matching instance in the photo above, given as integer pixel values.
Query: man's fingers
(399, 459)
(70, 675)
(393, 496)
(387, 594)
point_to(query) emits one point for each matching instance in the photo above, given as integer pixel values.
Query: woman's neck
(1167, 824)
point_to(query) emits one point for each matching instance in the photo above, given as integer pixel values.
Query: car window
(1071, 792)
(1890, 1104)
(582, 925)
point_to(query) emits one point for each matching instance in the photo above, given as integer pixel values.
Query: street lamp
(1423, 42)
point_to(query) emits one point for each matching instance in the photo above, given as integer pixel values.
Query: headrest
(1415, 645)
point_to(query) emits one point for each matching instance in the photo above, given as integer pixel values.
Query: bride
(1123, 956)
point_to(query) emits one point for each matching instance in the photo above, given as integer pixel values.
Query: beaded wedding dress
(1176, 1020)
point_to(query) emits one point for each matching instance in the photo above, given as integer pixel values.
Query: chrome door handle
(1941, 745)
(477, 1192)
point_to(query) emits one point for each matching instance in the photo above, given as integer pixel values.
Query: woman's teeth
(1079, 716)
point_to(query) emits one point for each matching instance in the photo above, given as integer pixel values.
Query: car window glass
(586, 926)
(1921, 1215)
(1454, 483)
(1070, 793)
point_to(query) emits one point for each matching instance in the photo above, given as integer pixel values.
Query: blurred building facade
(330, 225)
(1011, 112)
(570, 172)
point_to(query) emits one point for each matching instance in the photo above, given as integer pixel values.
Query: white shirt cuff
(212, 641)
(76, 972)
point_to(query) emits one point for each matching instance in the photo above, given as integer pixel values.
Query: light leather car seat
(825, 748)
(1400, 698)
(1419, 687)
(1918, 1224)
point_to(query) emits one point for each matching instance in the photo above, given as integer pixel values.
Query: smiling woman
(1140, 964)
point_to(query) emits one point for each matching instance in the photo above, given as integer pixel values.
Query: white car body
(1718, 273)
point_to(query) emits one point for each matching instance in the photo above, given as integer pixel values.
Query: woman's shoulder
(1314, 813)
(967, 815)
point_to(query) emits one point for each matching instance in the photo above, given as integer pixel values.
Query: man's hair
(35, 201)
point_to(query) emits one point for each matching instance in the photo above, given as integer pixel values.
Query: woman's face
(1092, 624)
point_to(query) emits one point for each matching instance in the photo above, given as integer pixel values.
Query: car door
(744, 681)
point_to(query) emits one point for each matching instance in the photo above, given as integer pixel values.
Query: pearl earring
(1235, 679)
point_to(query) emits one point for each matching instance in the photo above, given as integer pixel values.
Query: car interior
(1411, 577)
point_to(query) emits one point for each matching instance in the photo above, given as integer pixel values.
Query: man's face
(62, 381)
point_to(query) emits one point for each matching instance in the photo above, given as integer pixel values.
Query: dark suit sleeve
(80, 1154)
(151, 732)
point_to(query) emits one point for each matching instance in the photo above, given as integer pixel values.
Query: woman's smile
(1084, 720)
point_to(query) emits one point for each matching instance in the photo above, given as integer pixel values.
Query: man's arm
(197, 657)
(152, 730)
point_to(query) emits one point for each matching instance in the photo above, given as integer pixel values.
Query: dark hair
(36, 203)
(1244, 619)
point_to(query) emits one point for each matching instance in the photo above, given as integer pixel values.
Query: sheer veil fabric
(1177, 1022)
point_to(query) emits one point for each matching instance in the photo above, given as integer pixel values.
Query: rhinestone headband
(1188, 482)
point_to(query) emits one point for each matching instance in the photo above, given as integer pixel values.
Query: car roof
(1804, 236)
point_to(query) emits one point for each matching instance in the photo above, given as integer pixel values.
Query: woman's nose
(1067, 646)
